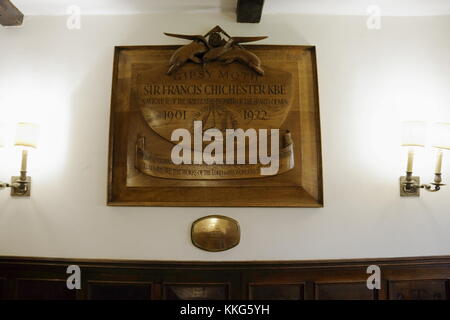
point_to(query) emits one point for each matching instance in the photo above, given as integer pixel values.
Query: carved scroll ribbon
(161, 167)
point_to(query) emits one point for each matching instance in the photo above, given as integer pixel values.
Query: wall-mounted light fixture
(414, 135)
(26, 137)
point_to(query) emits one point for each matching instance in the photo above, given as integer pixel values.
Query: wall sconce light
(414, 135)
(26, 137)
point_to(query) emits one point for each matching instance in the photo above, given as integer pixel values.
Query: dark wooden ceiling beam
(249, 10)
(9, 14)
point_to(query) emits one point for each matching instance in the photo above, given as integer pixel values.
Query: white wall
(369, 81)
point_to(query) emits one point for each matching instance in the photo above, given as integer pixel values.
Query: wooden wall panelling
(42, 289)
(418, 290)
(344, 291)
(405, 278)
(118, 283)
(201, 283)
(196, 291)
(114, 290)
(276, 291)
(37, 281)
(416, 282)
(317, 283)
(275, 284)
(3, 288)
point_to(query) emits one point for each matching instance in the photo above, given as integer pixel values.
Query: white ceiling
(335, 7)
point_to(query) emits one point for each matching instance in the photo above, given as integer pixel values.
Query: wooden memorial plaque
(176, 116)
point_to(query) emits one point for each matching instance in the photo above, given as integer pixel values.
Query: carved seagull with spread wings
(211, 47)
(188, 52)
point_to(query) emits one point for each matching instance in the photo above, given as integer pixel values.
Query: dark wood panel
(344, 291)
(2, 288)
(9, 14)
(40, 289)
(249, 11)
(418, 290)
(276, 291)
(119, 291)
(196, 292)
(45, 278)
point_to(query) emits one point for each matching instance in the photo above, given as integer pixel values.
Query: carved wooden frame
(308, 194)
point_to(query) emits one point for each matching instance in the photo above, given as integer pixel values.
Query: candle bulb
(410, 160)
(441, 141)
(413, 136)
(439, 162)
(24, 160)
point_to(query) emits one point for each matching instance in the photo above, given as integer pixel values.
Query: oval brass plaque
(215, 233)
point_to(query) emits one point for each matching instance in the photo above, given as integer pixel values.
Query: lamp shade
(27, 134)
(441, 135)
(414, 133)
